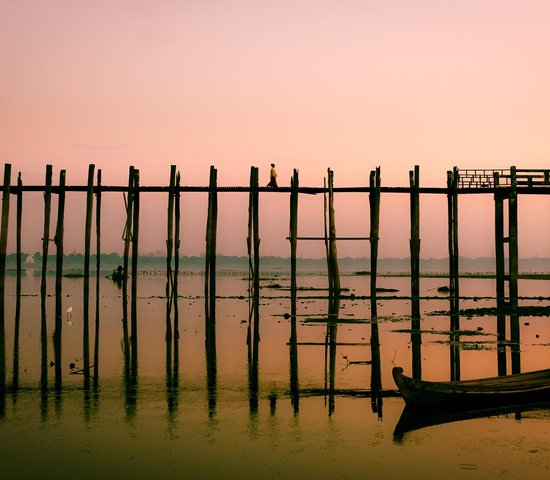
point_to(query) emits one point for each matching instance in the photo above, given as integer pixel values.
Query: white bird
(69, 315)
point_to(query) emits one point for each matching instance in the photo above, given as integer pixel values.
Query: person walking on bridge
(272, 177)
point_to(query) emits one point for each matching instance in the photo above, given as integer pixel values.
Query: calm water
(226, 415)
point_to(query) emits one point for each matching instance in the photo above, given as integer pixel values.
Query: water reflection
(293, 352)
(211, 361)
(223, 385)
(331, 346)
(416, 417)
(376, 372)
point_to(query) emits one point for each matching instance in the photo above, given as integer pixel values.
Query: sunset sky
(304, 84)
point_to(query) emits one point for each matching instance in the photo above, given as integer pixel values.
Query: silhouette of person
(272, 177)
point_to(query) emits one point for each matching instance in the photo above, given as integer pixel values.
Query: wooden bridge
(504, 184)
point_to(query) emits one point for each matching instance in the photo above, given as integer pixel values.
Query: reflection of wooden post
(18, 284)
(332, 339)
(374, 201)
(135, 239)
(3, 247)
(98, 269)
(59, 279)
(333, 272)
(415, 271)
(45, 249)
(86, 300)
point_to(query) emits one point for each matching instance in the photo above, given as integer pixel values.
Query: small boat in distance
(517, 388)
(118, 274)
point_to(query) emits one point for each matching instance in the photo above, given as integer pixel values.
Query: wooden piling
(86, 299)
(19, 218)
(333, 259)
(210, 294)
(500, 275)
(249, 250)
(415, 241)
(98, 276)
(135, 253)
(325, 229)
(414, 180)
(169, 250)
(45, 250)
(374, 202)
(255, 357)
(59, 232)
(452, 215)
(256, 243)
(513, 271)
(3, 246)
(211, 233)
(294, 185)
(125, 262)
(176, 274)
(293, 235)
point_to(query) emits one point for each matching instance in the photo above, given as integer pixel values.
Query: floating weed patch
(326, 319)
(395, 318)
(458, 333)
(479, 345)
(524, 311)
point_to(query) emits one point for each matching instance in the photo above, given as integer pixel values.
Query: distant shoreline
(483, 267)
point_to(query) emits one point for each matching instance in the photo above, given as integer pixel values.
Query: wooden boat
(517, 388)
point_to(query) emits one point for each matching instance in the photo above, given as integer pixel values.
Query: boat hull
(518, 388)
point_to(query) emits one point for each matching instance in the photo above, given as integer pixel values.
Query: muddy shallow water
(248, 410)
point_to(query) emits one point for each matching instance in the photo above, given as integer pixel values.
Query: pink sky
(308, 85)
